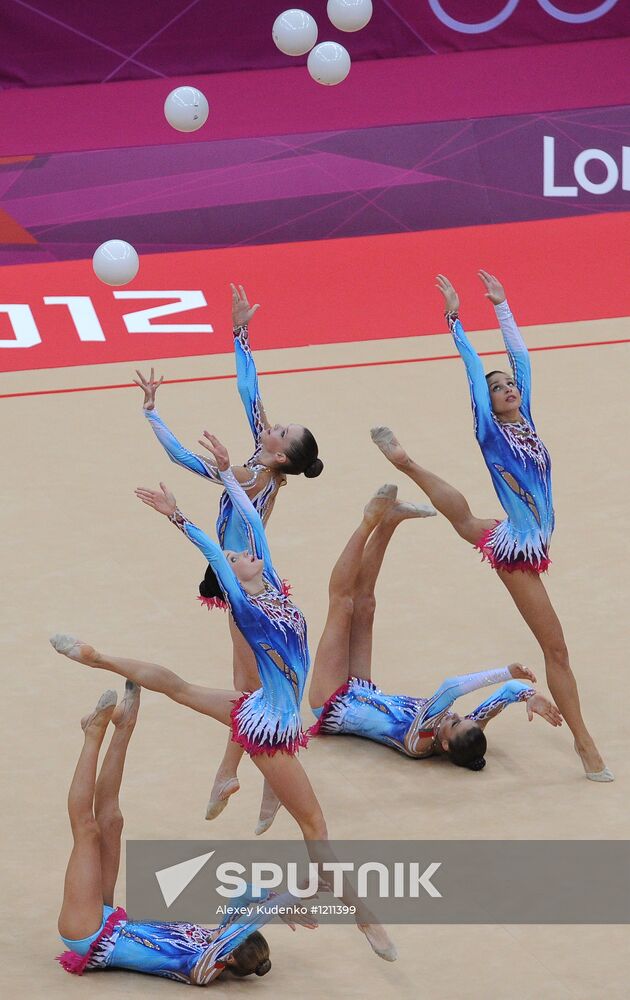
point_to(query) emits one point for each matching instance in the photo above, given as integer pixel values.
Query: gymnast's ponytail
(301, 457)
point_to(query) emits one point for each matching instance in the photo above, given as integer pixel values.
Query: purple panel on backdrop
(380, 180)
(51, 42)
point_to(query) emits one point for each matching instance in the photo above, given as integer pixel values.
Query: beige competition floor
(81, 554)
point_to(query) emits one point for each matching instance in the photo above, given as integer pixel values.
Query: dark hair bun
(209, 586)
(263, 968)
(314, 469)
(477, 764)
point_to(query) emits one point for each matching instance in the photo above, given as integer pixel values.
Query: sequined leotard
(409, 724)
(517, 460)
(269, 719)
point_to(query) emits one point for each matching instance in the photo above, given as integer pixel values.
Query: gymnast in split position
(344, 697)
(279, 450)
(520, 469)
(265, 722)
(99, 935)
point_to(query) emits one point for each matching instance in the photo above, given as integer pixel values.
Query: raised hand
(451, 298)
(494, 289)
(539, 705)
(161, 500)
(521, 673)
(220, 452)
(242, 312)
(150, 387)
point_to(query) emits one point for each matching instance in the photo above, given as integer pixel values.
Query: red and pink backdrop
(505, 146)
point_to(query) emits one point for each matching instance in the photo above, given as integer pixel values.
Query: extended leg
(246, 678)
(529, 594)
(364, 597)
(106, 803)
(209, 701)
(82, 908)
(332, 660)
(444, 497)
(289, 781)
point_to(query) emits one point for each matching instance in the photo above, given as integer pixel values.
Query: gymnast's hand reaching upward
(150, 386)
(494, 289)
(220, 452)
(242, 312)
(161, 500)
(451, 298)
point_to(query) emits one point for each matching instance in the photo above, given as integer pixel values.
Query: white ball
(294, 32)
(349, 15)
(186, 109)
(328, 63)
(115, 262)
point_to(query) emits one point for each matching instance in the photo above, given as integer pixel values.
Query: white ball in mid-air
(186, 109)
(349, 15)
(328, 63)
(294, 32)
(115, 262)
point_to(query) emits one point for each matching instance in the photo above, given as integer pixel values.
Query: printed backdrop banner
(325, 291)
(53, 42)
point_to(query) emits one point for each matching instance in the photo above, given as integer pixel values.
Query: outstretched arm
(454, 687)
(246, 374)
(511, 693)
(241, 502)
(479, 395)
(514, 343)
(164, 502)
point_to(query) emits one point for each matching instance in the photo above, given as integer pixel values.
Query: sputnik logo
(173, 880)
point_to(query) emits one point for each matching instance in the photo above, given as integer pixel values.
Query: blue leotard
(359, 708)
(517, 460)
(269, 719)
(187, 953)
(229, 525)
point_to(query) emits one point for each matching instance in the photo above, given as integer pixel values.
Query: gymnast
(345, 699)
(99, 935)
(280, 450)
(520, 469)
(265, 722)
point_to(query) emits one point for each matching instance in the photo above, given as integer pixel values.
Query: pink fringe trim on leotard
(484, 545)
(326, 707)
(216, 602)
(77, 964)
(289, 745)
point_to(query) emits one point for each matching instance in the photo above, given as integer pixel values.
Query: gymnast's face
(455, 726)
(504, 395)
(246, 566)
(278, 438)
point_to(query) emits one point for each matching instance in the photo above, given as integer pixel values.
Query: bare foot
(379, 504)
(69, 646)
(98, 720)
(385, 439)
(221, 790)
(402, 511)
(380, 941)
(593, 763)
(127, 712)
(268, 808)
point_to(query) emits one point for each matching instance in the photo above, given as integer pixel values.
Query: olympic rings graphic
(464, 28)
